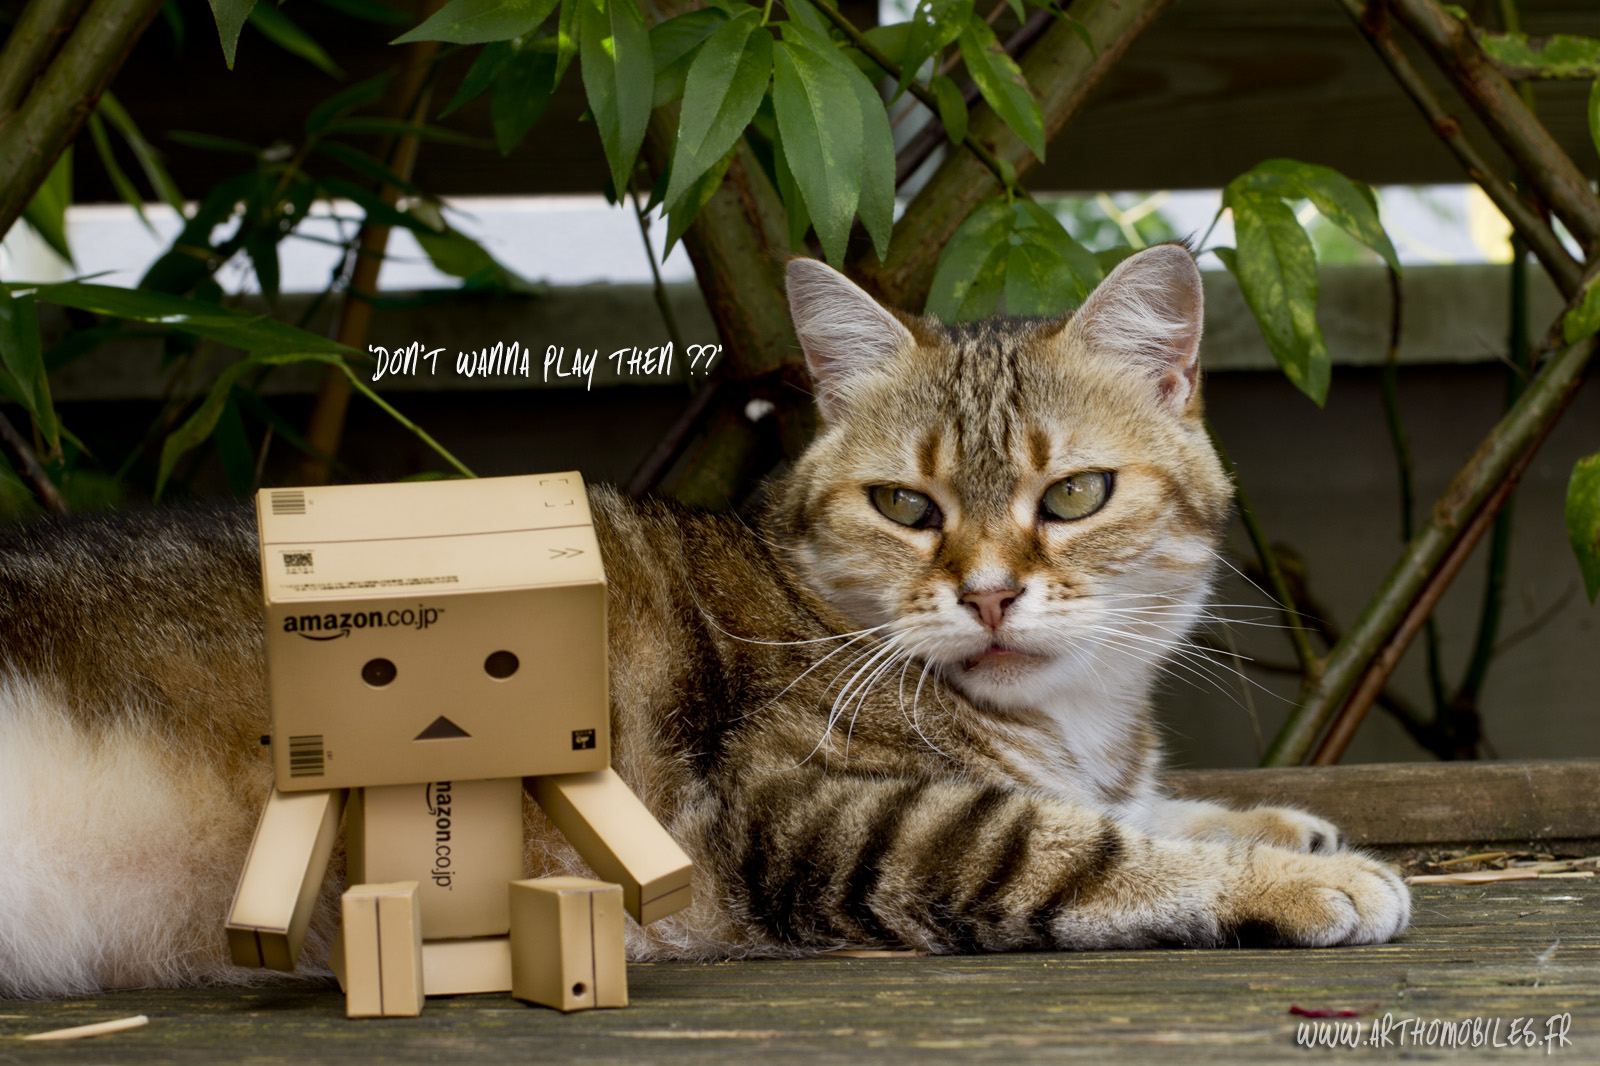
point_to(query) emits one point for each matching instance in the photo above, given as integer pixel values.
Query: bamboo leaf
(619, 78)
(480, 21)
(1000, 81)
(47, 211)
(819, 121)
(376, 208)
(277, 28)
(1583, 520)
(492, 59)
(261, 245)
(1276, 267)
(566, 36)
(27, 382)
(148, 158)
(521, 96)
(233, 448)
(212, 143)
(794, 203)
(198, 426)
(674, 44)
(969, 279)
(369, 167)
(119, 178)
(369, 11)
(343, 102)
(1347, 204)
(952, 108)
(400, 128)
(230, 16)
(723, 88)
(934, 26)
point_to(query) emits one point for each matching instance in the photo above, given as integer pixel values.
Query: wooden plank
(1468, 954)
(1424, 803)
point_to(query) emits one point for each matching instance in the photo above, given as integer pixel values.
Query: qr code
(297, 562)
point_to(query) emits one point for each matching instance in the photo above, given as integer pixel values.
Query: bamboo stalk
(62, 98)
(1514, 127)
(1062, 71)
(41, 26)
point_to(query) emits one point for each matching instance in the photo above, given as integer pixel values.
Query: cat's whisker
(803, 675)
(1187, 654)
(871, 654)
(866, 687)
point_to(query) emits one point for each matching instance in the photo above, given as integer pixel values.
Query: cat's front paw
(1291, 899)
(1286, 827)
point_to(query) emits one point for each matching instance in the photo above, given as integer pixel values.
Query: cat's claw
(1301, 900)
(1296, 830)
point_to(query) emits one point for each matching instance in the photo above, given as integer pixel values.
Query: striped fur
(806, 702)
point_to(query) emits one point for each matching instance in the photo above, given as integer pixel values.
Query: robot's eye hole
(378, 672)
(501, 665)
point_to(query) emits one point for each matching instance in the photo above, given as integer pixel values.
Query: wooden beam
(1423, 803)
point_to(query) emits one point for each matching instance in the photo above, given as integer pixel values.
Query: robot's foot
(566, 943)
(378, 957)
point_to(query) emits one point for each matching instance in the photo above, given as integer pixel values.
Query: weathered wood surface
(1425, 803)
(1472, 952)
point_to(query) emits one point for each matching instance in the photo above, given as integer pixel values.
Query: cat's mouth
(998, 655)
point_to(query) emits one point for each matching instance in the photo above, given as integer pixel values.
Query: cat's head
(1031, 506)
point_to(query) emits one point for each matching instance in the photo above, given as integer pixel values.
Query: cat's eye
(907, 507)
(1078, 496)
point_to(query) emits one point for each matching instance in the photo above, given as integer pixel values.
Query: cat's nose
(990, 604)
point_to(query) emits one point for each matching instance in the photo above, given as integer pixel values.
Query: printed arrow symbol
(565, 553)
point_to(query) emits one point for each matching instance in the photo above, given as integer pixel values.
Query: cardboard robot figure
(433, 649)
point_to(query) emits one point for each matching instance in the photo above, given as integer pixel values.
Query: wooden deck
(1479, 951)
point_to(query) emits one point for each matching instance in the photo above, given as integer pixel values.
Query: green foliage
(24, 380)
(723, 88)
(1555, 56)
(1000, 80)
(276, 27)
(935, 25)
(1584, 320)
(231, 16)
(481, 21)
(619, 77)
(1015, 250)
(674, 44)
(1583, 520)
(952, 108)
(47, 211)
(819, 127)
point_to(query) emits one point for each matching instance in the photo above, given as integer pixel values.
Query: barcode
(305, 756)
(289, 502)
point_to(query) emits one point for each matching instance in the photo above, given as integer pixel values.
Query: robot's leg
(566, 943)
(379, 954)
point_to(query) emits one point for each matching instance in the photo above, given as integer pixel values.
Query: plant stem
(26, 464)
(33, 37)
(668, 317)
(1063, 72)
(1542, 240)
(62, 98)
(1310, 664)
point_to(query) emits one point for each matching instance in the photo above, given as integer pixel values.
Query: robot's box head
(431, 631)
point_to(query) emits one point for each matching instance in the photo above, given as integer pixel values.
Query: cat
(908, 707)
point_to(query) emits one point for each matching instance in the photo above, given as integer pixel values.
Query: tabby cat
(909, 707)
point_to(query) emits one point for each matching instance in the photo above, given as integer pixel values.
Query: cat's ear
(1149, 311)
(842, 330)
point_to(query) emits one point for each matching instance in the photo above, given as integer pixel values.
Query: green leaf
(480, 21)
(198, 426)
(934, 26)
(276, 27)
(1000, 81)
(794, 203)
(566, 36)
(521, 96)
(804, 14)
(343, 102)
(111, 109)
(1584, 320)
(1557, 56)
(233, 449)
(375, 207)
(400, 128)
(1276, 267)
(484, 70)
(952, 108)
(1594, 114)
(723, 88)
(119, 178)
(230, 16)
(694, 198)
(26, 379)
(47, 211)
(969, 280)
(674, 45)
(253, 333)
(619, 78)
(212, 143)
(1047, 272)
(819, 122)
(1583, 520)
(1347, 204)
(369, 11)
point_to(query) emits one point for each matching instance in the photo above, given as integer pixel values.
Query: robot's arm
(282, 877)
(619, 838)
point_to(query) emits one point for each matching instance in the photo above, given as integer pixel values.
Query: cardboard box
(461, 841)
(620, 840)
(567, 944)
(382, 971)
(282, 877)
(426, 631)
(459, 967)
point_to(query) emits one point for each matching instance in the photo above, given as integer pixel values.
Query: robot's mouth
(442, 728)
